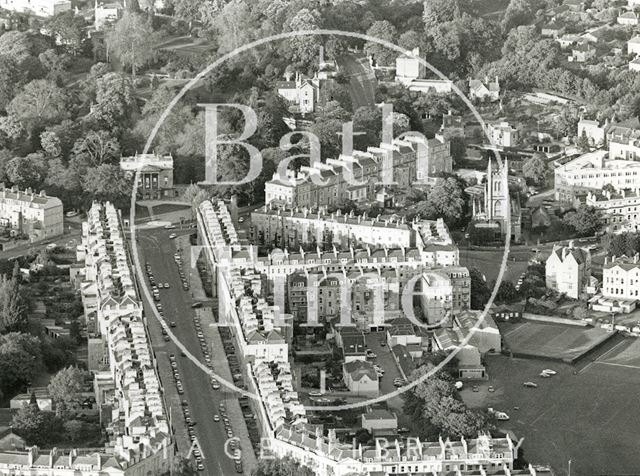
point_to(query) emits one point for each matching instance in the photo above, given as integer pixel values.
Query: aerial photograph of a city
(319, 237)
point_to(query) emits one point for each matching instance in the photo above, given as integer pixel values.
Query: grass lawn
(554, 341)
(488, 262)
(170, 208)
(590, 417)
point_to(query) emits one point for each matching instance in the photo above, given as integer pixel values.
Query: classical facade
(33, 214)
(568, 270)
(156, 175)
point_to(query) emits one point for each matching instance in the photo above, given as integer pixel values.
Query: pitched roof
(358, 369)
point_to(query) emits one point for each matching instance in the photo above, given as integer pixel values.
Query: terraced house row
(126, 382)
(241, 281)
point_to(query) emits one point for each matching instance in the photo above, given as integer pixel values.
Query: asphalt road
(362, 81)
(158, 249)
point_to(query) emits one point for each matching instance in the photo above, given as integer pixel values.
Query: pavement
(156, 248)
(362, 80)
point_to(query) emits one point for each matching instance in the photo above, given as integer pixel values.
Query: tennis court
(552, 341)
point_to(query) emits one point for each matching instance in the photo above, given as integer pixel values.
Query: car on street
(216, 417)
(173, 324)
(476, 388)
(492, 388)
(241, 220)
(169, 227)
(172, 236)
(530, 384)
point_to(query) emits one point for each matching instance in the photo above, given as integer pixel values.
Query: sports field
(552, 341)
(589, 417)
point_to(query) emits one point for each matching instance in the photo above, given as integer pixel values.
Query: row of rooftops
(360, 160)
(29, 198)
(257, 317)
(142, 422)
(604, 196)
(321, 215)
(624, 262)
(77, 460)
(281, 401)
(482, 448)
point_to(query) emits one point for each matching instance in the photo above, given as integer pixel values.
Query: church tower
(496, 196)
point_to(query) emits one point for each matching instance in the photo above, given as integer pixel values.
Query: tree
(70, 29)
(235, 26)
(534, 168)
(304, 49)
(20, 360)
(434, 407)
(480, 292)
(132, 41)
(55, 64)
(281, 467)
(583, 142)
(27, 172)
(519, 12)
(108, 183)
(507, 292)
(585, 221)
(437, 12)
(446, 201)
(21, 45)
(40, 102)
(97, 148)
(36, 426)
(115, 101)
(409, 40)
(195, 195)
(9, 78)
(13, 311)
(385, 31)
(75, 430)
(65, 389)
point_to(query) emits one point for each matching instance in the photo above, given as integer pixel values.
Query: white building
(106, 13)
(621, 278)
(303, 92)
(487, 90)
(34, 214)
(634, 64)
(593, 171)
(411, 72)
(621, 208)
(628, 19)
(593, 131)
(633, 45)
(568, 270)
(503, 134)
(624, 142)
(155, 180)
(360, 378)
(41, 8)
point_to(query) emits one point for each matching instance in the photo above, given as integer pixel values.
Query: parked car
(530, 384)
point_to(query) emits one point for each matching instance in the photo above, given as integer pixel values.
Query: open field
(552, 341)
(488, 262)
(569, 416)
